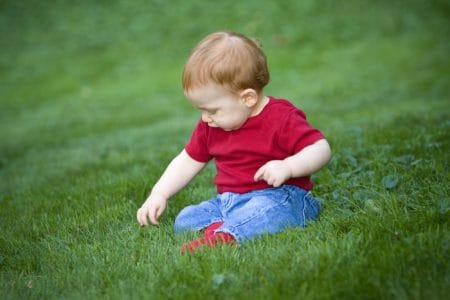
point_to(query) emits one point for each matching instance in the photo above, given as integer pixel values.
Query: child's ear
(249, 97)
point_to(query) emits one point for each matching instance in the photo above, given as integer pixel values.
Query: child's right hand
(152, 209)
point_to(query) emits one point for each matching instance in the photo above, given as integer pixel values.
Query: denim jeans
(252, 214)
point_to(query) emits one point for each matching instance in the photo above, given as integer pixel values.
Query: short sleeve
(197, 146)
(296, 133)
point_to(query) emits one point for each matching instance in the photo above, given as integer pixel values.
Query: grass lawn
(92, 111)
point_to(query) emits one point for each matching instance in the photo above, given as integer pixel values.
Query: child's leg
(268, 211)
(247, 215)
(197, 217)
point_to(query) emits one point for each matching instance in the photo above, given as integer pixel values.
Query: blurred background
(92, 69)
(91, 87)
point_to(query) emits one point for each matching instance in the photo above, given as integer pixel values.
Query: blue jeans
(252, 214)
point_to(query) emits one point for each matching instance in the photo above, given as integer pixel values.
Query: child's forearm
(310, 160)
(177, 175)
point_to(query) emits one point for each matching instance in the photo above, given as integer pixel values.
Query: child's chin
(227, 128)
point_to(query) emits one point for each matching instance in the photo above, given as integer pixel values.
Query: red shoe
(219, 238)
(209, 231)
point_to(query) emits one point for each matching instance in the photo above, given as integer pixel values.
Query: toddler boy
(264, 149)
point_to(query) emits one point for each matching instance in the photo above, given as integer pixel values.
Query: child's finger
(259, 173)
(154, 217)
(137, 217)
(159, 213)
(141, 216)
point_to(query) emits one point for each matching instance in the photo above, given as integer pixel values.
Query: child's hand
(274, 172)
(152, 209)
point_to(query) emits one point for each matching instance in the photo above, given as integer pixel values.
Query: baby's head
(224, 78)
(228, 59)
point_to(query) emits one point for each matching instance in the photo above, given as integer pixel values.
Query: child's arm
(311, 159)
(177, 175)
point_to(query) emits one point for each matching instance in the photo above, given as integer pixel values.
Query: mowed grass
(92, 111)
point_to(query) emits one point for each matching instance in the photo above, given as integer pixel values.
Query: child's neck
(262, 102)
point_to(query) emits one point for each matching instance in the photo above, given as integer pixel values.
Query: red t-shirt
(279, 131)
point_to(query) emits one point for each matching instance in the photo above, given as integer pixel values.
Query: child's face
(219, 107)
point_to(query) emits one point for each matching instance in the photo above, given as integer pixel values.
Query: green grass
(92, 111)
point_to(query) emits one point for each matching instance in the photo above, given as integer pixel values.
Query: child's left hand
(274, 172)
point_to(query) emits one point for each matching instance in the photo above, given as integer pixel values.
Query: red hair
(229, 59)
